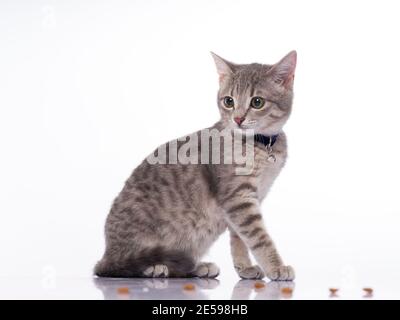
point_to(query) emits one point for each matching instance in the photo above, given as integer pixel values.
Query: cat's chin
(268, 131)
(252, 132)
(245, 131)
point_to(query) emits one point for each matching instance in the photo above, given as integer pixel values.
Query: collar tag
(268, 142)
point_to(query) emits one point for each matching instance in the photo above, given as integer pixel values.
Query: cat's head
(256, 96)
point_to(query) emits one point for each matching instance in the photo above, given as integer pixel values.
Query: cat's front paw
(156, 271)
(282, 273)
(253, 272)
(206, 270)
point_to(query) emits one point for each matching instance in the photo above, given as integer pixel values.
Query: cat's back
(168, 185)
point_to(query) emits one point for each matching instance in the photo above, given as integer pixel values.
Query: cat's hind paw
(253, 272)
(156, 271)
(206, 270)
(282, 273)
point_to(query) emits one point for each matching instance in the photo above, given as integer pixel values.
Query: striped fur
(168, 215)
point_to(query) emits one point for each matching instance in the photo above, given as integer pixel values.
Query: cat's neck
(263, 138)
(266, 140)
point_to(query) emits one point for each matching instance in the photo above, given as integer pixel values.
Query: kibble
(287, 291)
(368, 291)
(189, 287)
(259, 285)
(333, 291)
(123, 290)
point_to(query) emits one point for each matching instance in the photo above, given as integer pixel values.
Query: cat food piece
(287, 292)
(189, 287)
(259, 285)
(333, 291)
(368, 291)
(123, 290)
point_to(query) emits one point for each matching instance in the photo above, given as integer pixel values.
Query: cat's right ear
(224, 67)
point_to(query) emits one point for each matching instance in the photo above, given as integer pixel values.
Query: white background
(89, 88)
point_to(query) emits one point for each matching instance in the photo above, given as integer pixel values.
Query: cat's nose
(239, 120)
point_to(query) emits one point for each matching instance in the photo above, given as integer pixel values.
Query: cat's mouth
(248, 125)
(245, 125)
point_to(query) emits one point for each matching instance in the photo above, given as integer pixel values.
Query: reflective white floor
(137, 289)
(176, 289)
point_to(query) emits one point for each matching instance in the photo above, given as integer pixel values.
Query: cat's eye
(257, 102)
(229, 102)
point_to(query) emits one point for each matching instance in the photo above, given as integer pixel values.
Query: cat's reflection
(188, 289)
(155, 288)
(272, 290)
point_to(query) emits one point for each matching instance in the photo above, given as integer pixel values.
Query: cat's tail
(179, 264)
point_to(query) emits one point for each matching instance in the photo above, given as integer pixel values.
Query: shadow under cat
(174, 289)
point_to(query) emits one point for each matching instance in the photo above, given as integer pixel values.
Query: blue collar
(266, 140)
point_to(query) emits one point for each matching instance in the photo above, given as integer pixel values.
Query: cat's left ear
(224, 67)
(283, 71)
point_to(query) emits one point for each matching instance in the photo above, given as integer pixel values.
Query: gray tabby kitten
(168, 215)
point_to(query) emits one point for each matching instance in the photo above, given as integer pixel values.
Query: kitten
(169, 213)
